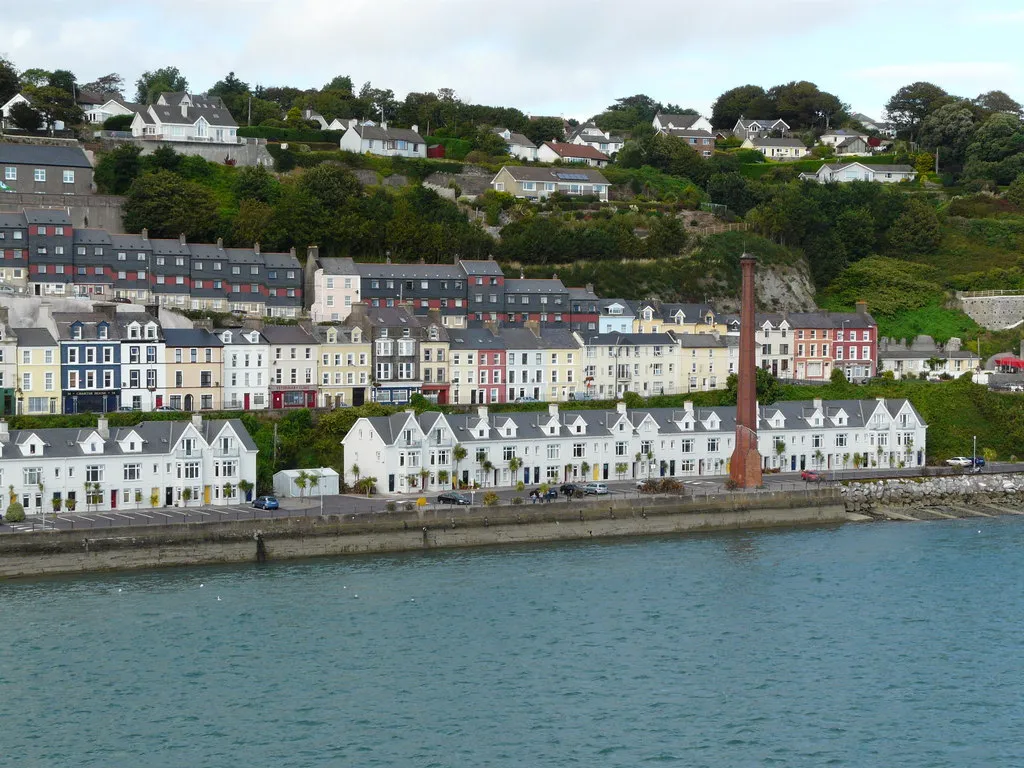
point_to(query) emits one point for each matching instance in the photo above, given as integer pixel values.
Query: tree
(767, 387)
(150, 85)
(251, 223)
(341, 83)
(33, 78)
(916, 231)
(745, 100)
(911, 104)
(256, 183)
(118, 168)
(301, 482)
(950, 127)
(801, 103)
(331, 185)
(64, 80)
(119, 122)
(15, 512)
(459, 453)
(25, 117)
(541, 129)
(56, 104)
(10, 83)
(998, 101)
(108, 84)
(732, 190)
(168, 205)
(294, 118)
(245, 486)
(1015, 192)
(235, 95)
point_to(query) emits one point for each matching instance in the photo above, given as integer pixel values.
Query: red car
(811, 477)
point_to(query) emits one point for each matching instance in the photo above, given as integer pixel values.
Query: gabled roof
(535, 285)
(481, 267)
(369, 270)
(584, 151)
(678, 121)
(338, 265)
(191, 337)
(287, 334)
(558, 175)
(762, 142)
(516, 138)
(43, 155)
(214, 115)
(91, 320)
(34, 337)
(387, 134)
(47, 216)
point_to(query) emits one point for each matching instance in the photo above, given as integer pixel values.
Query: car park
(811, 476)
(571, 489)
(266, 502)
(597, 489)
(453, 497)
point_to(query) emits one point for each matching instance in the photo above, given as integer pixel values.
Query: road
(359, 505)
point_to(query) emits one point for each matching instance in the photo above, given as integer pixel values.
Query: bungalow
(590, 135)
(777, 149)
(839, 135)
(664, 122)
(846, 172)
(747, 128)
(539, 183)
(368, 137)
(112, 107)
(19, 98)
(518, 145)
(552, 151)
(179, 116)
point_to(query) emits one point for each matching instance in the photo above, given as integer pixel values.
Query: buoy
(218, 598)
(119, 589)
(201, 586)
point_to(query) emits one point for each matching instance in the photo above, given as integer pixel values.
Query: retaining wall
(298, 537)
(86, 211)
(869, 496)
(993, 312)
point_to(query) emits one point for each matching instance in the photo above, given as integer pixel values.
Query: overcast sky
(543, 57)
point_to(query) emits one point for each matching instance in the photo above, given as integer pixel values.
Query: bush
(15, 513)
(391, 506)
(289, 134)
(517, 500)
(118, 123)
(491, 498)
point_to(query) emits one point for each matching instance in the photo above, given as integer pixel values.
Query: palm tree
(459, 452)
(301, 482)
(369, 483)
(514, 465)
(229, 490)
(244, 486)
(487, 467)
(355, 474)
(314, 481)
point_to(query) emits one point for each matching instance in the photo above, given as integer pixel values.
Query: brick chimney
(862, 307)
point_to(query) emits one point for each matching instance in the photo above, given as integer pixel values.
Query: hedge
(289, 134)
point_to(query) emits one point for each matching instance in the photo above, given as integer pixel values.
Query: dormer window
(405, 333)
(332, 336)
(101, 331)
(226, 337)
(76, 332)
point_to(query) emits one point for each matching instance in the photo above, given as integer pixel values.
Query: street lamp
(974, 456)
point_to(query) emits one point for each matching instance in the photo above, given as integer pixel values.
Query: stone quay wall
(869, 496)
(35, 554)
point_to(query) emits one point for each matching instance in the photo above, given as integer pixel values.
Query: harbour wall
(63, 552)
(875, 496)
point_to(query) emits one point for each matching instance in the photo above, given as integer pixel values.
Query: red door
(113, 499)
(276, 399)
(245, 401)
(159, 401)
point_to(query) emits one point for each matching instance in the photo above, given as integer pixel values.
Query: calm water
(873, 645)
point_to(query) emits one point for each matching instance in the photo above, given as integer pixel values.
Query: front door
(391, 483)
(358, 396)
(113, 499)
(189, 402)
(169, 496)
(245, 401)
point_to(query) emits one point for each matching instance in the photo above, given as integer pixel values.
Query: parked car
(166, 408)
(811, 476)
(121, 300)
(266, 502)
(960, 461)
(7, 289)
(453, 497)
(979, 462)
(526, 399)
(598, 489)
(580, 396)
(571, 489)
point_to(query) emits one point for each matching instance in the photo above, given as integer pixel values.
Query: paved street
(354, 505)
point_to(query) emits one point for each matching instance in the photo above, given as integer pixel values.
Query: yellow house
(38, 380)
(195, 369)
(656, 317)
(344, 365)
(706, 362)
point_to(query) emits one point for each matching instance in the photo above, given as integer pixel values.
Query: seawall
(298, 537)
(881, 497)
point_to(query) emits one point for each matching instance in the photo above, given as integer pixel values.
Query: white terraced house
(407, 453)
(97, 469)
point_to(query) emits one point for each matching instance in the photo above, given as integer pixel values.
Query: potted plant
(138, 498)
(154, 499)
(186, 495)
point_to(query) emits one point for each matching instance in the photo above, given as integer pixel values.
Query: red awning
(1011, 362)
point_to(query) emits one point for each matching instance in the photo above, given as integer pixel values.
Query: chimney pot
(256, 248)
(181, 239)
(220, 243)
(145, 233)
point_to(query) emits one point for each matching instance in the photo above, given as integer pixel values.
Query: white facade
(127, 467)
(368, 137)
(663, 122)
(846, 172)
(648, 364)
(143, 370)
(554, 447)
(615, 317)
(518, 145)
(99, 113)
(777, 149)
(246, 377)
(5, 113)
(336, 288)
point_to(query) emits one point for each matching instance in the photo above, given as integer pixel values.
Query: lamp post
(974, 455)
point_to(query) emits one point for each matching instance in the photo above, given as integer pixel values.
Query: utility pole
(275, 446)
(249, 119)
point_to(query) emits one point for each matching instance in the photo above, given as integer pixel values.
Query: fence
(718, 229)
(986, 294)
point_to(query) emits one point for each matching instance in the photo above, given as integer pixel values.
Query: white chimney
(415, 128)
(102, 427)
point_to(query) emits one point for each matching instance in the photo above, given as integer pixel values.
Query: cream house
(344, 365)
(195, 366)
(38, 372)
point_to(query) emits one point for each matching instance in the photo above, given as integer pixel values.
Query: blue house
(90, 359)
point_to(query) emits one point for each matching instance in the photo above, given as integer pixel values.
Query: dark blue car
(266, 502)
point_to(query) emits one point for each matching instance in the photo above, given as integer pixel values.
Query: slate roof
(481, 268)
(527, 173)
(40, 154)
(64, 320)
(475, 338)
(34, 337)
(516, 138)
(523, 338)
(47, 216)
(388, 134)
(777, 143)
(12, 220)
(338, 265)
(537, 285)
(158, 437)
(689, 133)
(287, 334)
(617, 338)
(218, 115)
(680, 121)
(410, 271)
(745, 122)
(191, 337)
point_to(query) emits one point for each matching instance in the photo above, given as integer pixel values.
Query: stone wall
(37, 554)
(251, 152)
(993, 312)
(868, 497)
(86, 211)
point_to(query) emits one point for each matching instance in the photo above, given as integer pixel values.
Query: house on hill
(777, 149)
(750, 128)
(590, 135)
(552, 151)
(663, 123)
(538, 183)
(518, 145)
(369, 138)
(847, 172)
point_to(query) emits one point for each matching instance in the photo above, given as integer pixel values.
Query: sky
(570, 59)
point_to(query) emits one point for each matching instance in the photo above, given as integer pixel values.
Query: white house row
(410, 453)
(153, 464)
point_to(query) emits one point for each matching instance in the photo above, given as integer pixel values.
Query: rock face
(871, 496)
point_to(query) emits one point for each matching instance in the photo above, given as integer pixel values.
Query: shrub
(490, 499)
(517, 500)
(15, 513)
(118, 123)
(391, 506)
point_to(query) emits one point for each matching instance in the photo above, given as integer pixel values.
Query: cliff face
(780, 288)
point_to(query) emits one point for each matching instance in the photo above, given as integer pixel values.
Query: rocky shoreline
(935, 498)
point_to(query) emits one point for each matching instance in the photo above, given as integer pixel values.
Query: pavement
(348, 504)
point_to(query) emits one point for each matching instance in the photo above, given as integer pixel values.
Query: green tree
(767, 387)
(745, 100)
(10, 83)
(25, 117)
(331, 185)
(341, 83)
(856, 229)
(256, 183)
(911, 104)
(15, 512)
(1015, 192)
(169, 205)
(235, 95)
(294, 118)
(108, 84)
(262, 110)
(63, 80)
(950, 129)
(56, 104)
(33, 78)
(732, 190)
(998, 101)
(541, 129)
(916, 231)
(801, 103)
(151, 84)
(119, 122)
(118, 168)
(251, 224)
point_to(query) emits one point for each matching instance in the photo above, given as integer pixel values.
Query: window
(10, 174)
(94, 473)
(40, 174)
